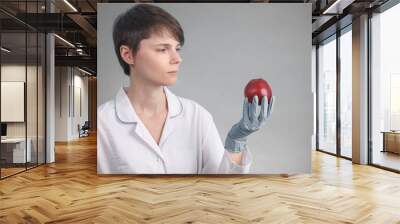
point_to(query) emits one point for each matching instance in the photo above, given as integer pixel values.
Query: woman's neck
(147, 100)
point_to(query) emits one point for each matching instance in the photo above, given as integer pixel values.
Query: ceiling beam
(86, 26)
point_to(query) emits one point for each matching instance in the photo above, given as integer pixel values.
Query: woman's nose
(176, 58)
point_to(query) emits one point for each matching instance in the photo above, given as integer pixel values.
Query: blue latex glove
(254, 116)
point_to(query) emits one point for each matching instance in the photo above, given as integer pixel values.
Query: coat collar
(126, 112)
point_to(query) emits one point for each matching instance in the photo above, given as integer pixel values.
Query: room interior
(48, 119)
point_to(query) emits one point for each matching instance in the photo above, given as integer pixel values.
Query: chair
(84, 130)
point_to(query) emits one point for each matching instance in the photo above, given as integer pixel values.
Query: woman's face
(157, 60)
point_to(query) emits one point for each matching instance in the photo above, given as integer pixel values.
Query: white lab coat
(189, 144)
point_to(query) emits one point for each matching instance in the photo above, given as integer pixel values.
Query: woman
(147, 129)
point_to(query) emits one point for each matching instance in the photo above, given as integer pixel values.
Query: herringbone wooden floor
(70, 191)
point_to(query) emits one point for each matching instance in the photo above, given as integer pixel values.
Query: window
(327, 96)
(385, 88)
(346, 76)
(22, 65)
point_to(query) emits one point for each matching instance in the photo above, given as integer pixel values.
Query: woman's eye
(163, 50)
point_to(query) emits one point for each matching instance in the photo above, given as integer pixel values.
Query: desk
(15, 148)
(391, 141)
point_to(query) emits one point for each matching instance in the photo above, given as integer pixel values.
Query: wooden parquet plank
(70, 191)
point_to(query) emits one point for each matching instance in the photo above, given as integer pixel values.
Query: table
(391, 141)
(15, 148)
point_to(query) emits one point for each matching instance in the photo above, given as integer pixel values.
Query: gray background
(226, 45)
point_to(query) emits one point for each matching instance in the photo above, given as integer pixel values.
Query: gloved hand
(254, 116)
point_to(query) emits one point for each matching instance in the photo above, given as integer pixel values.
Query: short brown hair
(138, 23)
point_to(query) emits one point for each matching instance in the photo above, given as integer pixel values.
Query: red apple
(258, 87)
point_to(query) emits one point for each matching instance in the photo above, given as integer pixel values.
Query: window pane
(386, 89)
(346, 93)
(41, 98)
(327, 97)
(14, 153)
(31, 97)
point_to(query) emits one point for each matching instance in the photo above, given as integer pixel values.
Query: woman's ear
(126, 54)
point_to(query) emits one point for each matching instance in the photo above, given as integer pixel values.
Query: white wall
(314, 91)
(67, 116)
(77, 117)
(17, 72)
(14, 72)
(33, 126)
(360, 90)
(62, 81)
